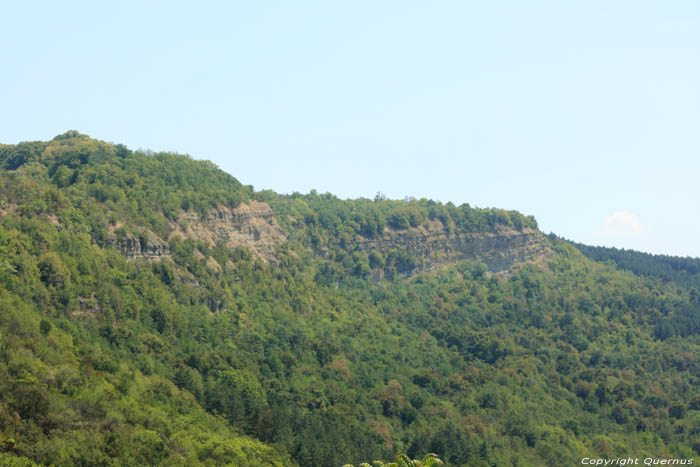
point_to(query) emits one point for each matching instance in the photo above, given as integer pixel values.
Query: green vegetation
(211, 355)
(404, 461)
(668, 268)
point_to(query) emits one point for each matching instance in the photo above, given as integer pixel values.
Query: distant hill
(668, 268)
(156, 311)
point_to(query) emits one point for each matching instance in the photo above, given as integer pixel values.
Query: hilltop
(157, 311)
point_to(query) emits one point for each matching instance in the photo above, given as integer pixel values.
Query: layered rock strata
(435, 246)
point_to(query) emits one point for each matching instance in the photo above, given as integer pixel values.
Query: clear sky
(583, 114)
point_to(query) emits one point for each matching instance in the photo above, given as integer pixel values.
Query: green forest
(336, 348)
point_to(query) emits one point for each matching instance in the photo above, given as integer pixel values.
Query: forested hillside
(669, 268)
(156, 311)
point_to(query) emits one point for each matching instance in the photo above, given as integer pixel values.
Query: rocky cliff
(436, 246)
(146, 245)
(251, 225)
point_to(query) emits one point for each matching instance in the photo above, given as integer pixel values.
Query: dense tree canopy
(308, 359)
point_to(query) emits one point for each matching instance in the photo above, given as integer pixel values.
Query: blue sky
(583, 114)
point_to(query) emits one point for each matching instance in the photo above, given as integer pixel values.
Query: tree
(402, 460)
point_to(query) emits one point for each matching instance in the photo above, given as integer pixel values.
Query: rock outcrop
(435, 246)
(251, 225)
(146, 246)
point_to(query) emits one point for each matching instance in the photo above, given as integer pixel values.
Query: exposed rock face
(251, 225)
(499, 250)
(148, 246)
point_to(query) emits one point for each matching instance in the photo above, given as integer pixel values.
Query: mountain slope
(154, 306)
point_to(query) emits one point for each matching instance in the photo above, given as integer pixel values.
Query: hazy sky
(583, 114)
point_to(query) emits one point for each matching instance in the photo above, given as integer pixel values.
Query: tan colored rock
(499, 250)
(251, 225)
(148, 245)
